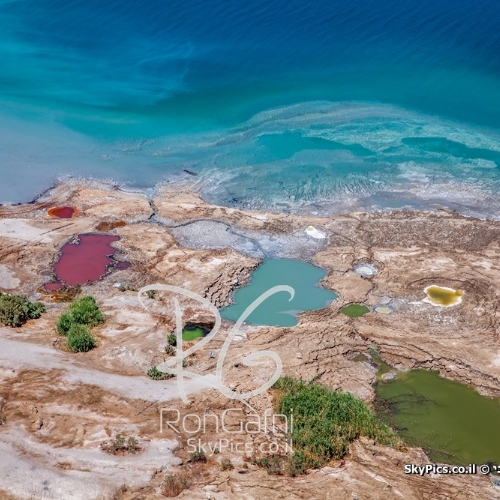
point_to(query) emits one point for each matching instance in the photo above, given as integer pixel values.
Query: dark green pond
(452, 422)
(354, 310)
(277, 310)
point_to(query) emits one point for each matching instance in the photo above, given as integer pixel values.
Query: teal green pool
(452, 422)
(277, 310)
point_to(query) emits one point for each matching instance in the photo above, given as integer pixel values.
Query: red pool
(86, 260)
(62, 212)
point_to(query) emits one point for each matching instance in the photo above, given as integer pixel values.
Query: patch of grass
(16, 310)
(173, 485)
(326, 422)
(79, 338)
(156, 374)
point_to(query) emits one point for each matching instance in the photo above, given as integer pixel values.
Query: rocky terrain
(56, 407)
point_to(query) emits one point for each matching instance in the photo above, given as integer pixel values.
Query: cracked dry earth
(56, 407)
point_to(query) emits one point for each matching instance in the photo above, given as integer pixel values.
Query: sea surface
(318, 107)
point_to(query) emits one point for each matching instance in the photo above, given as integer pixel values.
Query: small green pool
(355, 310)
(192, 334)
(277, 310)
(452, 422)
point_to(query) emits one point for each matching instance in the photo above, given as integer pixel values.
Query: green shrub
(132, 445)
(15, 310)
(119, 446)
(80, 339)
(172, 339)
(274, 464)
(170, 350)
(83, 314)
(296, 464)
(173, 485)
(326, 422)
(86, 312)
(198, 456)
(226, 464)
(64, 323)
(156, 374)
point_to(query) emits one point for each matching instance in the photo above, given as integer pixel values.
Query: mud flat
(57, 407)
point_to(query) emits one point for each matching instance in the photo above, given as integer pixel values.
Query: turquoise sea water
(311, 106)
(279, 310)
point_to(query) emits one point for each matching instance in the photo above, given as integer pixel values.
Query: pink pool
(86, 260)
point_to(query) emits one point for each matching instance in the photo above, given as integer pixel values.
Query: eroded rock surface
(57, 407)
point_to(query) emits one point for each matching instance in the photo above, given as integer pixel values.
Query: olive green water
(452, 422)
(443, 296)
(192, 334)
(277, 310)
(354, 310)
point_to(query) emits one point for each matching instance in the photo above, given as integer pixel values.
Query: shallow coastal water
(283, 105)
(278, 310)
(451, 421)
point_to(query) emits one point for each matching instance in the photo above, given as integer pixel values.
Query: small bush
(15, 310)
(198, 456)
(170, 350)
(172, 340)
(173, 485)
(80, 339)
(151, 294)
(156, 374)
(86, 312)
(273, 464)
(64, 323)
(226, 464)
(119, 446)
(296, 465)
(132, 445)
(83, 314)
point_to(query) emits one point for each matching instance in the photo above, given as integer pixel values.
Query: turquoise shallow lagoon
(278, 310)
